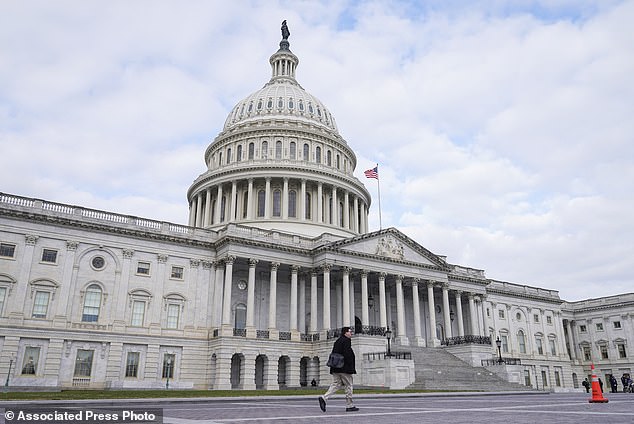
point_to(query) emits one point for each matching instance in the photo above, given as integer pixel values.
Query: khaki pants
(339, 381)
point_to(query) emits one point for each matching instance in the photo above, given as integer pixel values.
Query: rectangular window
(92, 303)
(617, 325)
(501, 313)
(31, 359)
(49, 256)
(177, 272)
(553, 350)
(138, 313)
(599, 326)
(587, 354)
(3, 295)
(527, 378)
(505, 343)
(557, 379)
(132, 364)
(40, 304)
(173, 314)
(535, 317)
(549, 320)
(604, 352)
(544, 378)
(83, 363)
(540, 348)
(169, 360)
(622, 351)
(582, 329)
(7, 250)
(143, 268)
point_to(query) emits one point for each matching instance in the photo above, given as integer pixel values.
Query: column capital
(346, 269)
(400, 277)
(295, 269)
(253, 262)
(415, 281)
(194, 263)
(275, 266)
(364, 273)
(326, 267)
(229, 260)
(382, 275)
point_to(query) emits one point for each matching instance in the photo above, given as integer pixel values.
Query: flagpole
(378, 184)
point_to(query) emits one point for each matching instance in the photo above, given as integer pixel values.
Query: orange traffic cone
(597, 395)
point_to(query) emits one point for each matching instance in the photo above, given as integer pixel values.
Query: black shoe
(352, 409)
(322, 404)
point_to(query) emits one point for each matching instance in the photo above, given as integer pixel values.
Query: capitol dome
(280, 164)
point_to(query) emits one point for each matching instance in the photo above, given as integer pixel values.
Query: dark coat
(343, 345)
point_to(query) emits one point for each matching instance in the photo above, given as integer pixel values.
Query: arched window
(219, 158)
(278, 150)
(307, 206)
(292, 151)
(251, 151)
(277, 202)
(239, 154)
(338, 162)
(329, 158)
(264, 150)
(521, 341)
(306, 152)
(318, 154)
(229, 155)
(240, 313)
(261, 201)
(292, 204)
(340, 216)
(92, 304)
(245, 204)
(223, 207)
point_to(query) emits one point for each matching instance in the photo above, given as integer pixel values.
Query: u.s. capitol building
(276, 256)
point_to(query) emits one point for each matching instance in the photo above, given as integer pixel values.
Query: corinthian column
(346, 296)
(400, 311)
(226, 304)
(273, 296)
(326, 269)
(382, 307)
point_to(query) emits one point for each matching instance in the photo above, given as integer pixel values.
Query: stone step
(438, 369)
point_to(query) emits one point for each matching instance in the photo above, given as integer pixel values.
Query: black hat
(344, 330)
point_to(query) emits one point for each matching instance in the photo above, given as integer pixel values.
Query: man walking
(342, 377)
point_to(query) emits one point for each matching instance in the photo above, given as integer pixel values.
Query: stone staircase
(437, 369)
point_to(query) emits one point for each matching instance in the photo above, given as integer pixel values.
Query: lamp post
(169, 371)
(498, 343)
(388, 336)
(6, 383)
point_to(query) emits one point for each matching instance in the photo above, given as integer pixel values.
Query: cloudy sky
(503, 130)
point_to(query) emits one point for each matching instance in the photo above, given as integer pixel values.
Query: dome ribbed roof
(282, 97)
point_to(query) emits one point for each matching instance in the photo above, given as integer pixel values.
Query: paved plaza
(540, 408)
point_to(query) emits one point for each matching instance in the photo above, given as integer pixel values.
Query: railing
(504, 361)
(240, 332)
(309, 337)
(371, 330)
(81, 381)
(378, 356)
(333, 334)
(285, 335)
(483, 340)
(262, 334)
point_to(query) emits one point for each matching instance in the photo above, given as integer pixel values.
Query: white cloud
(502, 131)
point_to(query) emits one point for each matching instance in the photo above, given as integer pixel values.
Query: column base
(420, 342)
(402, 340)
(433, 343)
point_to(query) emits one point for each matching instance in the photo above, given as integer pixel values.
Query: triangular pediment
(389, 244)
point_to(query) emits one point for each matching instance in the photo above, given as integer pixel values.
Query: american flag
(372, 173)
